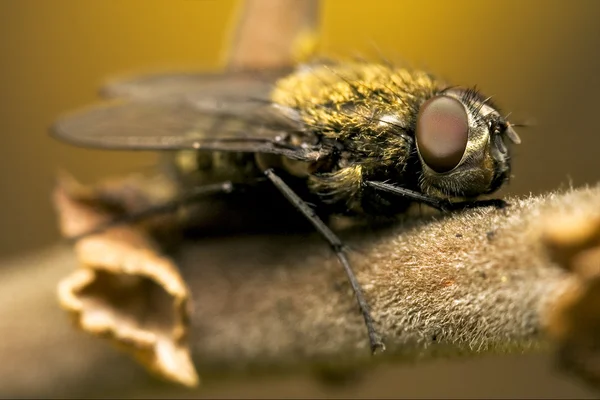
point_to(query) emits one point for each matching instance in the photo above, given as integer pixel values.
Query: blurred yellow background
(538, 57)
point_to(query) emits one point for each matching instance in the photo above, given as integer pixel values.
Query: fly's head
(460, 139)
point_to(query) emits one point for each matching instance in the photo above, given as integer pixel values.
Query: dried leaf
(125, 289)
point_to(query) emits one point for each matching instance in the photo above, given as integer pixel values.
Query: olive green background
(539, 58)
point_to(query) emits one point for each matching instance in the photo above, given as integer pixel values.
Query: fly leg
(462, 205)
(338, 247)
(440, 204)
(190, 196)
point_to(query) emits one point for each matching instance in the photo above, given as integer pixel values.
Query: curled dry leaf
(125, 290)
(574, 243)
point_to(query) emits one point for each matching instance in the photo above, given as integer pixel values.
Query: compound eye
(442, 132)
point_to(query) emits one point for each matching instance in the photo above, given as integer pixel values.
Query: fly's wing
(211, 85)
(229, 112)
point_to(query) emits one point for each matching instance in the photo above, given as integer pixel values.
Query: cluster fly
(353, 138)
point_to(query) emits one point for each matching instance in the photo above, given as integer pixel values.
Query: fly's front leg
(462, 205)
(338, 247)
(440, 204)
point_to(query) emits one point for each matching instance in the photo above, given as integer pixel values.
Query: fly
(353, 138)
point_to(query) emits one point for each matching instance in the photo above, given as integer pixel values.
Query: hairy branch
(470, 282)
(473, 282)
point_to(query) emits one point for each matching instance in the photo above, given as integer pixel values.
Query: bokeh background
(539, 58)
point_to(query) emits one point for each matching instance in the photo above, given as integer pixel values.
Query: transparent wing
(229, 112)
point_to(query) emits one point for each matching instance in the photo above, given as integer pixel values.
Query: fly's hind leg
(338, 247)
(189, 197)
